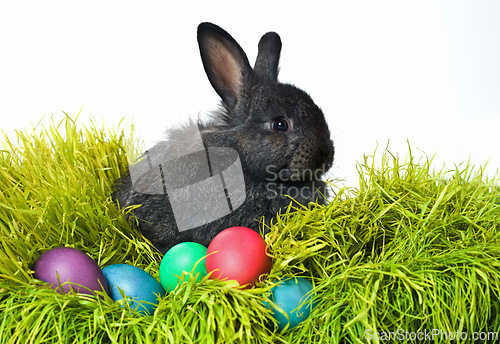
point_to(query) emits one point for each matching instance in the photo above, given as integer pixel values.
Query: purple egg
(62, 264)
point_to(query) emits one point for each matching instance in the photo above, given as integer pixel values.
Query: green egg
(182, 257)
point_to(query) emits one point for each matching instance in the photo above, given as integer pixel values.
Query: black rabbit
(271, 137)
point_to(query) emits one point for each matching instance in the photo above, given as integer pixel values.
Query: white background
(426, 71)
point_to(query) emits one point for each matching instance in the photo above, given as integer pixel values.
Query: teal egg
(135, 283)
(289, 295)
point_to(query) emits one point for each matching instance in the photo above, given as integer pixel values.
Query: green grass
(410, 249)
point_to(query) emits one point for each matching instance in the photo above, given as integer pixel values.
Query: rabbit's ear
(225, 63)
(266, 65)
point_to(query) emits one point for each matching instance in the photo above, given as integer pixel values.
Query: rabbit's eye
(280, 124)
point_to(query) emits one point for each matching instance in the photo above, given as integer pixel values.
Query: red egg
(62, 264)
(238, 253)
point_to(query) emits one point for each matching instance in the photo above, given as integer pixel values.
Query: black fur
(275, 163)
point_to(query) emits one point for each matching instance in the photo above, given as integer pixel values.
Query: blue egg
(135, 283)
(293, 296)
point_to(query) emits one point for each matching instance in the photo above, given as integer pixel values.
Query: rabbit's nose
(325, 154)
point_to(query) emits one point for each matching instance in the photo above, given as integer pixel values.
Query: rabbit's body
(280, 135)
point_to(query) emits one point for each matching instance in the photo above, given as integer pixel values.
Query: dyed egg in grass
(238, 253)
(181, 258)
(66, 268)
(135, 283)
(293, 296)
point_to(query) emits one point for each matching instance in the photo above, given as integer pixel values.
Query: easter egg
(59, 265)
(135, 283)
(182, 257)
(294, 298)
(238, 253)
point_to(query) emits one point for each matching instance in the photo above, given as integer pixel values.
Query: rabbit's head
(277, 129)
